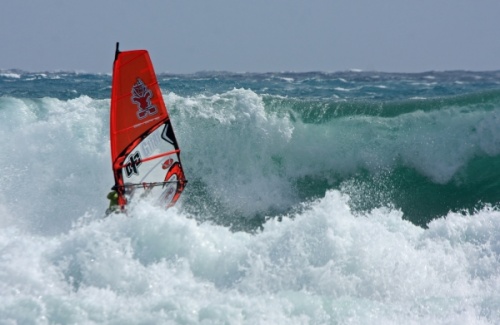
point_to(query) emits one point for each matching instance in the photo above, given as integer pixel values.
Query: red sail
(143, 143)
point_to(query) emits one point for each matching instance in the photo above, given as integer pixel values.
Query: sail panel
(136, 100)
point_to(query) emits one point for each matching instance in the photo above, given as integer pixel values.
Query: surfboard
(145, 153)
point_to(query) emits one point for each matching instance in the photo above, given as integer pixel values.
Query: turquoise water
(321, 198)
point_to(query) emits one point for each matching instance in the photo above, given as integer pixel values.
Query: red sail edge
(141, 134)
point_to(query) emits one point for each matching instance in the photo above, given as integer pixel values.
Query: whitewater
(313, 198)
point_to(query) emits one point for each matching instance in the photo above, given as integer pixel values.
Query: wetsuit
(113, 203)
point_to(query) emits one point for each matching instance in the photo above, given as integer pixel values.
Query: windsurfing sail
(144, 151)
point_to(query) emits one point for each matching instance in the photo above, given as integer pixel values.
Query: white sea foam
(322, 266)
(343, 89)
(10, 75)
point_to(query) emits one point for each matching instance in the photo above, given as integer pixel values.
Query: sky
(187, 36)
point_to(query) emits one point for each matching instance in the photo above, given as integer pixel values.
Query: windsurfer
(114, 206)
(113, 202)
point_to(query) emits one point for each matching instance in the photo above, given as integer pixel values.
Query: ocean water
(313, 198)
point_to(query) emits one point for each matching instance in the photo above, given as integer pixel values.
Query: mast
(117, 51)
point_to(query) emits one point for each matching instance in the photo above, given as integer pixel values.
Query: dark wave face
(424, 156)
